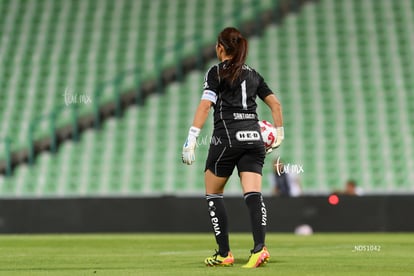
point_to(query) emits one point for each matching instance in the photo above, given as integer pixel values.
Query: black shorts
(222, 159)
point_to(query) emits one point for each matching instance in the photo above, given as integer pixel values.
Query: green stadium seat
(343, 84)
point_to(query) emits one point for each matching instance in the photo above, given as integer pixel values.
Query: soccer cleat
(217, 260)
(258, 259)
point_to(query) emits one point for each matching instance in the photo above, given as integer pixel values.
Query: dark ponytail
(235, 45)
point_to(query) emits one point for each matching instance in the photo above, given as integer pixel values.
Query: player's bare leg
(251, 182)
(214, 184)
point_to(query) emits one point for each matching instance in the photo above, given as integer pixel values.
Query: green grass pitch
(183, 254)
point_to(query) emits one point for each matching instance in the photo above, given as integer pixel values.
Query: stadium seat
(342, 82)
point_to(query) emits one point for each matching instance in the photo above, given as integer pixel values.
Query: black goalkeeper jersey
(235, 117)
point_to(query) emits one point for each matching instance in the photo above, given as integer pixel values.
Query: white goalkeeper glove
(188, 155)
(280, 135)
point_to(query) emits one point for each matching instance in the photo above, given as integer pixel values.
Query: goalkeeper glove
(280, 135)
(188, 155)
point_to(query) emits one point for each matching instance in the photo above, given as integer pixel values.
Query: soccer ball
(268, 132)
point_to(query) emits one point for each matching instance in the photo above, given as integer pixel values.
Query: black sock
(218, 218)
(258, 217)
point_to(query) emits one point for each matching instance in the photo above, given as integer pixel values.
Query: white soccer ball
(268, 132)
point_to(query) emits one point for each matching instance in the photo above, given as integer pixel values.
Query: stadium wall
(175, 214)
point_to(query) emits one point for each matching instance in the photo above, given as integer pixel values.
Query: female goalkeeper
(231, 88)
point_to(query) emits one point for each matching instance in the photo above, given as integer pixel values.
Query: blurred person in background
(350, 189)
(285, 183)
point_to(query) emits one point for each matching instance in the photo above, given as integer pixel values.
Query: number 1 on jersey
(244, 95)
